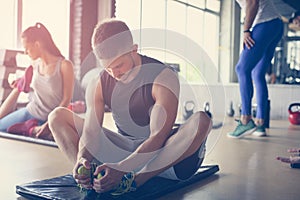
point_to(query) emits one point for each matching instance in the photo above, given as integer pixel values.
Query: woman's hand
(248, 40)
(14, 84)
(111, 178)
(42, 131)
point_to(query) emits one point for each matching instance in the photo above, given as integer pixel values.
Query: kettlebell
(188, 109)
(206, 109)
(294, 111)
(230, 111)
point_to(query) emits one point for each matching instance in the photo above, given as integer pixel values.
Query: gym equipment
(188, 109)
(90, 172)
(230, 111)
(65, 187)
(253, 109)
(83, 171)
(8, 65)
(294, 113)
(206, 109)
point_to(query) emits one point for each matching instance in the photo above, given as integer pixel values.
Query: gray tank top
(266, 11)
(131, 102)
(47, 92)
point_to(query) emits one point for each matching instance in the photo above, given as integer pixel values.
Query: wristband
(247, 31)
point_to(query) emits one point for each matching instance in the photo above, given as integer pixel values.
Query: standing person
(142, 94)
(263, 29)
(52, 83)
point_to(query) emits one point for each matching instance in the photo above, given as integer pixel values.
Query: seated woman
(52, 82)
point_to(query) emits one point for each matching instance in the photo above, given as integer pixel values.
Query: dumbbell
(206, 109)
(188, 109)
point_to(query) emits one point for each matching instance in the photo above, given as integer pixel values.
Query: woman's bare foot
(291, 159)
(294, 159)
(294, 150)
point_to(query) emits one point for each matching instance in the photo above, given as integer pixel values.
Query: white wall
(219, 96)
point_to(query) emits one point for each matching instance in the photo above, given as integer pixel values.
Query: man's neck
(130, 75)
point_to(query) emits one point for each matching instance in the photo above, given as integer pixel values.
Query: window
(188, 21)
(293, 51)
(53, 14)
(8, 24)
(130, 12)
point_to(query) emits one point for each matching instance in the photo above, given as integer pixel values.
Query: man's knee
(204, 118)
(204, 122)
(56, 116)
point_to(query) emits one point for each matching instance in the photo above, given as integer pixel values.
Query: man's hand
(84, 180)
(109, 180)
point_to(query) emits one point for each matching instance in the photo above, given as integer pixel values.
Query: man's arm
(163, 114)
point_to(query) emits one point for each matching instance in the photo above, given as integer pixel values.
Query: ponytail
(40, 33)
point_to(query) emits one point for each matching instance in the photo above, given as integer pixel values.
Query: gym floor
(248, 168)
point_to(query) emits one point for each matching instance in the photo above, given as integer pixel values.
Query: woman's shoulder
(66, 67)
(65, 63)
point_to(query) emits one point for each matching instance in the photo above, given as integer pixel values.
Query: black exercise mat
(28, 139)
(65, 187)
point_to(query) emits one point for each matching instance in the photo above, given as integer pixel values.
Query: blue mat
(65, 187)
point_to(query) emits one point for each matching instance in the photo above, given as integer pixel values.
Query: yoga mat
(65, 187)
(28, 139)
(216, 124)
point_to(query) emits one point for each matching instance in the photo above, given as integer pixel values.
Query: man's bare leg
(9, 104)
(179, 146)
(66, 128)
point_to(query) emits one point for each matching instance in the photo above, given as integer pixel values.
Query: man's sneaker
(242, 130)
(260, 131)
(127, 184)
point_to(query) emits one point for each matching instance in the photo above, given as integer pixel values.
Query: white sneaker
(260, 131)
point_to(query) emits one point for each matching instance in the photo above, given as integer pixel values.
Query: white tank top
(266, 11)
(47, 92)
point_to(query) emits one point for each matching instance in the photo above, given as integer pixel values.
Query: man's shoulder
(148, 60)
